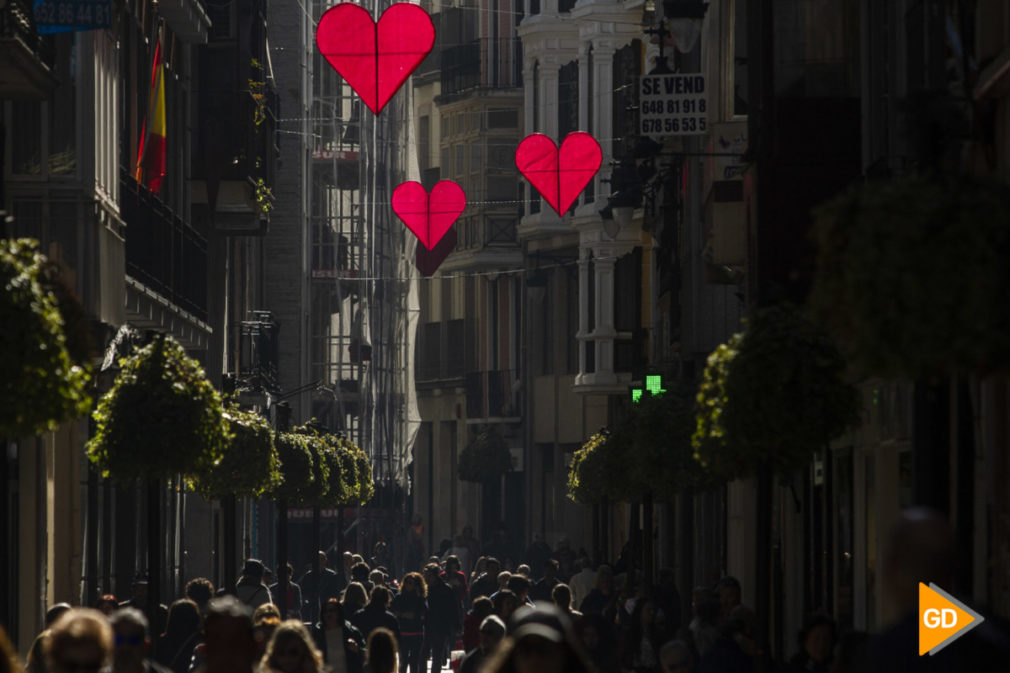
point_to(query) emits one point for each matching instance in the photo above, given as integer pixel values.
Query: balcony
(490, 395)
(484, 63)
(165, 256)
(258, 353)
(25, 58)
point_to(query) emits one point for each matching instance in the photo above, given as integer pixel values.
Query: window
(627, 68)
(475, 157)
(820, 58)
(424, 142)
(460, 159)
(568, 99)
(502, 118)
(739, 51)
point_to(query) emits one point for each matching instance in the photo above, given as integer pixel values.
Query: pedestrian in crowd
(541, 590)
(200, 590)
(346, 563)
(461, 552)
(492, 631)
(640, 644)
(471, 543)
(375, 614)
(734, 650)
(520, 586)
(377, 578)
(381, 555)
(454, 577)
(355, 597)
(318, 585)
(174, 648)
(479, 568)
(410, 608)
(107, 604)
(291, 650)
(250, 588)
(524, 570)
(561, 596)
(381, 654)
(340, 643)
(474, 617)
(503, 580)
(602, 600)
(565, 558)
(729, 593)
(36, 660)
(229, 644)
(138, 599)
(359, 573)
(540, 640)
(266, 619)
(290, 602)
(675, 657)
(817, 641)
(487, 583)
(79, 641)
(704, 626)
(598, 638)
(132, 643)
(582, 582)
(444, 618)
(668, 601)
(504, 604)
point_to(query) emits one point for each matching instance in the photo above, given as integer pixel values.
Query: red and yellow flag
(151, 154)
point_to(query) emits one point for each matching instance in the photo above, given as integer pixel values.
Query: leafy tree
(486, 458)
(161, 417)
(250, 466)
(41, 383)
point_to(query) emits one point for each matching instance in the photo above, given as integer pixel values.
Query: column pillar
(604, 333)
(603, 114)
(583, 332)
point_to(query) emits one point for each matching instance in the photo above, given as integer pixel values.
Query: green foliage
(40, 383)
(485, 458)
(592, 467)
(911, 275)
(264, 197)
(250, 466)
(773, 394)
(161, 417)
(299, 483)
(342, 473)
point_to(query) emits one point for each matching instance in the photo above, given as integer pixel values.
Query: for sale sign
(672, 105)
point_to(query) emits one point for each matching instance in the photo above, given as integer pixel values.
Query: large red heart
(375, 59)
(429, 216)
(559, 175)
(428, 261)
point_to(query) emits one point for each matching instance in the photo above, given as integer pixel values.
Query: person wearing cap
(492, 630)
(250, 588)
(541, 640)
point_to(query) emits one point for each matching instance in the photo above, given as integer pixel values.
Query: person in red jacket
(482, 607)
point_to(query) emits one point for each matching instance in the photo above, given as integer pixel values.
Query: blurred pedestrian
(266, 619)
(487, 584)
(381, 654)
(132, 643)
(734, 650)
(355, 597)
(675, 657)
(200, 590)
(640, 644)
(602, 600)
(704, 626)
(174, 648)
(482, 607)
(376, 614)
(729, 593)
(454, 577)
(541, 590)
(492, 631)
(341, 644)
(444, 618)
(540, 640)
(817, 644)
(229, 644)
(411, 610)
(561, 596)
(139, 599)
(291, 650)
(250, 588)
(318, 585)
(290, 602)
(582, 582)
(107, 604)
(36, 659)
(597, 637)
(79, 641)
(505, 603)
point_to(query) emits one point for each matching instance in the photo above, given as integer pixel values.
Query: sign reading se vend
(672, 105)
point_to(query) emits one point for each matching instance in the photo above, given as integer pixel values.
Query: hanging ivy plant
(250, 466)
(41, 383)
(297, 466)
(591, 469)
(486, 458)
(161, 417)
(363, 471)
(773, 394)
(911, 275)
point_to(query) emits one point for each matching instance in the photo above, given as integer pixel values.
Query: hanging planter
(161, 417)
(302, 483)
(41, 383)
(772, 395)
(250, 466)
(911, 275)
(593, 467)
(486, 458)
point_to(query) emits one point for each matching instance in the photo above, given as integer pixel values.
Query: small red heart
(559, 175)
(375, 59)
(428, 261)
(429, 217)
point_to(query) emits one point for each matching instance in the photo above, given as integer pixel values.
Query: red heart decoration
(429, 216)
(375, 58)
(559, 174)
(428, 261)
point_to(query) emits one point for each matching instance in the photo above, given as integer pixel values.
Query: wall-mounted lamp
(685, 20)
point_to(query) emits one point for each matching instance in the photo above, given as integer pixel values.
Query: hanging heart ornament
(375, 59)
(429, 216)
(559, 174)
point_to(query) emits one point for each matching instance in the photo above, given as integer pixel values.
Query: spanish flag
(151, 154)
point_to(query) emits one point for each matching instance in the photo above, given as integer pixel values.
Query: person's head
(322, 560)
(291, 650)
(253, 569)
(728, 590)
(107, 604)
(921, 547)
(452, 564)
(355, 598)
(561, 594)
(360, 571)
(520, 586)
(431, 573)
(604, 579)
(593, 632)
(740, 628)
(381, 652)
(230, 646)
(286, 572)
(523, 570)
(200, 590)
(413, 583)
(492, 566)
(80, 641)
(183, 619)
(264, 611)
(331, 614)
(492, 630)
(482, 607)
(542, 641)
(550, 569)
(379, 598)
(503, 579)
(377, 577)
(132, 638)
(504, 604)
(675, 657)
(263, 630)
(644, 613)
(817, 638)
(55, 612)
(348, 560)
(379, 549)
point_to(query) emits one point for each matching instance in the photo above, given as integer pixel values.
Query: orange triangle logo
(942, 619)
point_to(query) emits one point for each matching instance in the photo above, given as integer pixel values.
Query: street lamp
(686, 18)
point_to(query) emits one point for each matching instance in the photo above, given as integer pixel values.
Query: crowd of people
(560, 613)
